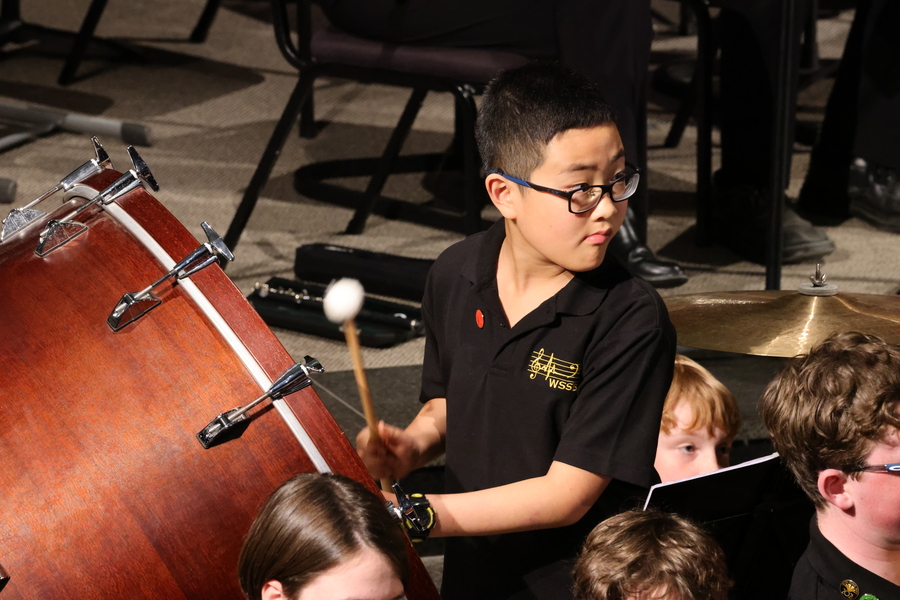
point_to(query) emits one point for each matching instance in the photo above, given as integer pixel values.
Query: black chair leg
(683, 116)
(809, 51)
(471, 168)
(82, 41)
(358, 223)
(308, 128)
(687, 22)
(268, 160)
(459, 126)
(201, 29)
(703, 76)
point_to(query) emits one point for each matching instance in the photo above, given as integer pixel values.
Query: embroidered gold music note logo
(558, 373)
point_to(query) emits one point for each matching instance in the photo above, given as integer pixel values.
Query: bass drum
(106, 491)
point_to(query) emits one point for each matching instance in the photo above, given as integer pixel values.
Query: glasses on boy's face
(891, 468)
(585, 197)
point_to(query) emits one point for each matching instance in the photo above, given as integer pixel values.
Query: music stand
(757, 513)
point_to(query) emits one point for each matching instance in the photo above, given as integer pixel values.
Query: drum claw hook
(20, 218)
(61, 231)
(232, 424)
(134, 305)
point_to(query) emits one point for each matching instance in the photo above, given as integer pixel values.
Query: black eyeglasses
(891, 468)
(585, 197)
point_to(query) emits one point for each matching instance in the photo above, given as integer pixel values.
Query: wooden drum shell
(105, 490)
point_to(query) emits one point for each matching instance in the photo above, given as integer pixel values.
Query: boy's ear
(833, 487)
(499, 188)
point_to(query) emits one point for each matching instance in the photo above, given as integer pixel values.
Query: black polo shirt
(824, 573)
(580, 380)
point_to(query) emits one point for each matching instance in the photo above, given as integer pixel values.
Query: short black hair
(526, 107)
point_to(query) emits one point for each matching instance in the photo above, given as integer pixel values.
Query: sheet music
(743, 465)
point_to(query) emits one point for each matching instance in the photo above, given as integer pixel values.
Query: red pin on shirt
(479, 319)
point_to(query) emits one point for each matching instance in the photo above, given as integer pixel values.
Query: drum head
(106, 490)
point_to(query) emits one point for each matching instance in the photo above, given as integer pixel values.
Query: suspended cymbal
(778, 323)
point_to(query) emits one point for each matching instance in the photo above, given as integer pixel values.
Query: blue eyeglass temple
(542, 188)
(888, 468)
(511, 178)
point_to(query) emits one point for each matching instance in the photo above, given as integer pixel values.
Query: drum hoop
(224, 329)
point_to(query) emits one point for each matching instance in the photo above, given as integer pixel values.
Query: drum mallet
(342, 302)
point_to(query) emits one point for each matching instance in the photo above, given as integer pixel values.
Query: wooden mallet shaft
(362, 384)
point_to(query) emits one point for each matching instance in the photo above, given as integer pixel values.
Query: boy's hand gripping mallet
(342, 302)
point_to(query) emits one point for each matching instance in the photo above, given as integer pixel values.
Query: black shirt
(580, 380)
(824, 573)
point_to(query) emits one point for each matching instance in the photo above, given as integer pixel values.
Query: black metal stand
(783, 146)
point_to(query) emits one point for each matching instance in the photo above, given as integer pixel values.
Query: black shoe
(640, 260)
(742, 226)
(875, 195)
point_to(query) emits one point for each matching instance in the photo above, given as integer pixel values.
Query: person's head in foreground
(699, 422)
(323, 537)
(834, 416)
(556, 165)
(650, 555)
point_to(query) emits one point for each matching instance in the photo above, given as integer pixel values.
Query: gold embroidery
(558, 373)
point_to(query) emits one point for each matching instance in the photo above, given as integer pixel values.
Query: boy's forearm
(557, 499)
(429, 430)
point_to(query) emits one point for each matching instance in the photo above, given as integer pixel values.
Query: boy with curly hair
(834, 416)
(650, 555)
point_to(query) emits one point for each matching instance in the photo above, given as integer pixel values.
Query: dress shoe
(742, 226)
(640, 260)
(875, 195)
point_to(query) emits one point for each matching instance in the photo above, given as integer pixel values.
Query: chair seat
(330, 45)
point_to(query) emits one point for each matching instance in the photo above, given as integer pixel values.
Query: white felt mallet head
(343, 300)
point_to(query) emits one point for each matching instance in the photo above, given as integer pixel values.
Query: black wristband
(415, 513)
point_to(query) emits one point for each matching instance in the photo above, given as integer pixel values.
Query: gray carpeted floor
(212, 107)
